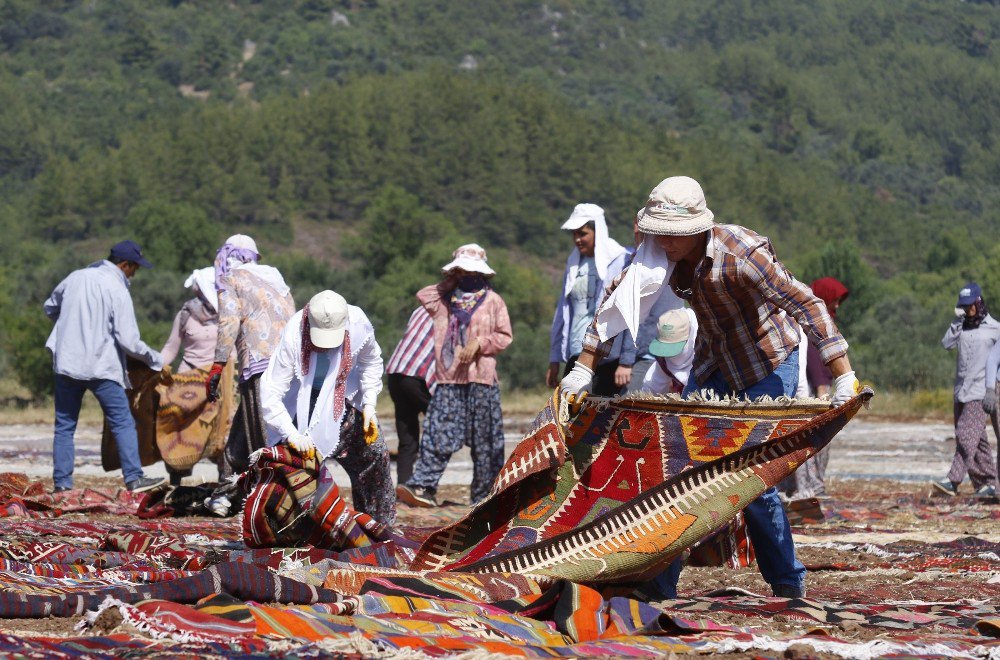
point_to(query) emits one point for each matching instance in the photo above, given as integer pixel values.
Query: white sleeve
(370, 364)
(274, 385)
(802, 391)
(656, 380)
(951, 335)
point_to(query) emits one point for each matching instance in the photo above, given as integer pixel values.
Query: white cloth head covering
(644, 283)
(269, 274)
(606, 249)
(204, 279)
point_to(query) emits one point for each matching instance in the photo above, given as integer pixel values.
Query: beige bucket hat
(676, 207)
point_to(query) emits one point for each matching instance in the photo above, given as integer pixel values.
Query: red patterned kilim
(295, 501)
(629, 484)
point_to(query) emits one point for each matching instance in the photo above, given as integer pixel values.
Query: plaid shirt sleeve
(762, 271)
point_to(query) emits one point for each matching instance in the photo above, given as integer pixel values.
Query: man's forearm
(588, 359)
(839, 366)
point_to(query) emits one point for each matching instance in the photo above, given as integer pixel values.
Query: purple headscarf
(236, 249)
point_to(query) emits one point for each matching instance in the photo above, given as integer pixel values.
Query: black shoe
(987, 492)
(60, 489)
(143, 484)
(415, 496)
(944, 487)
(788, 590)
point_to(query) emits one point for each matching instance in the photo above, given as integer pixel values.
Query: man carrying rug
(747, 344)
(318, 396)
(95, 329)
(254, 305)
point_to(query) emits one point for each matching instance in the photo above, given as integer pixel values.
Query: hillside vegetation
(361, 141)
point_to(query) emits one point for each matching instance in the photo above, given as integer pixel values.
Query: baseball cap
(582, 215)
(673, 330)
(128, 251)
(969, 294)
(327, 319)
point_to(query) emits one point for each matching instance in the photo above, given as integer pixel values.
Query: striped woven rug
(628, 484)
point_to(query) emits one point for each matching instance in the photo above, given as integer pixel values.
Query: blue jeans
(767, 522)
(69, 397)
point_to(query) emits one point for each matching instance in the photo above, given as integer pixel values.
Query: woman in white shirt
(319, 392)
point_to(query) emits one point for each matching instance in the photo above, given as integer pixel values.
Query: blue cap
(969, 294)
(128, 251)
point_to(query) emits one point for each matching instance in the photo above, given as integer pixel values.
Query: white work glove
(575, 385)
(959, 313)
(302, 444)
(369, 423)
(845, 388)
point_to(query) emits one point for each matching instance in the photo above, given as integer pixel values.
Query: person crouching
(318, 396)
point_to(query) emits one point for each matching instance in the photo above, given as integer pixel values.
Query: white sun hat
(204, 278)
(470, 258)
(676, 207)
(327, 319)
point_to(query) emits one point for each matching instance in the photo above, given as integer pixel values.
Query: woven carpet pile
(547, 566)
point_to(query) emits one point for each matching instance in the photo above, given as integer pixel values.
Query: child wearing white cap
(673, 350)
(318, 395)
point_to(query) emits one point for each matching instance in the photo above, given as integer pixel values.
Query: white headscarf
(606, 249)
(645, 282)
(204, 279)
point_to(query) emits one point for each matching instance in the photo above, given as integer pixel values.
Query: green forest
(361, 141)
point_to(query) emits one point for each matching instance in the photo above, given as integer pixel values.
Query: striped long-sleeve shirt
(743, 298)
(414, 354)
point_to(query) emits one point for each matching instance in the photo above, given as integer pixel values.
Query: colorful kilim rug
(191, 587)
(628, 484)
(188, 426)
(295, 501)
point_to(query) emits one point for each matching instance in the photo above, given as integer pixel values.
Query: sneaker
(143, 484)
(788, 590)
(218, 506)
(415, 495)
(945, 487)
(987, 492)
(61, 489)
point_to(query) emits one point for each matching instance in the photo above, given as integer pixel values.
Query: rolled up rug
(294, 501)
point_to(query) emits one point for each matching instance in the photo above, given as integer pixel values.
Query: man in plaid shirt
(747, 305)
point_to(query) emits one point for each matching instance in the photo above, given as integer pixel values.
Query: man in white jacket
(318, 395)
